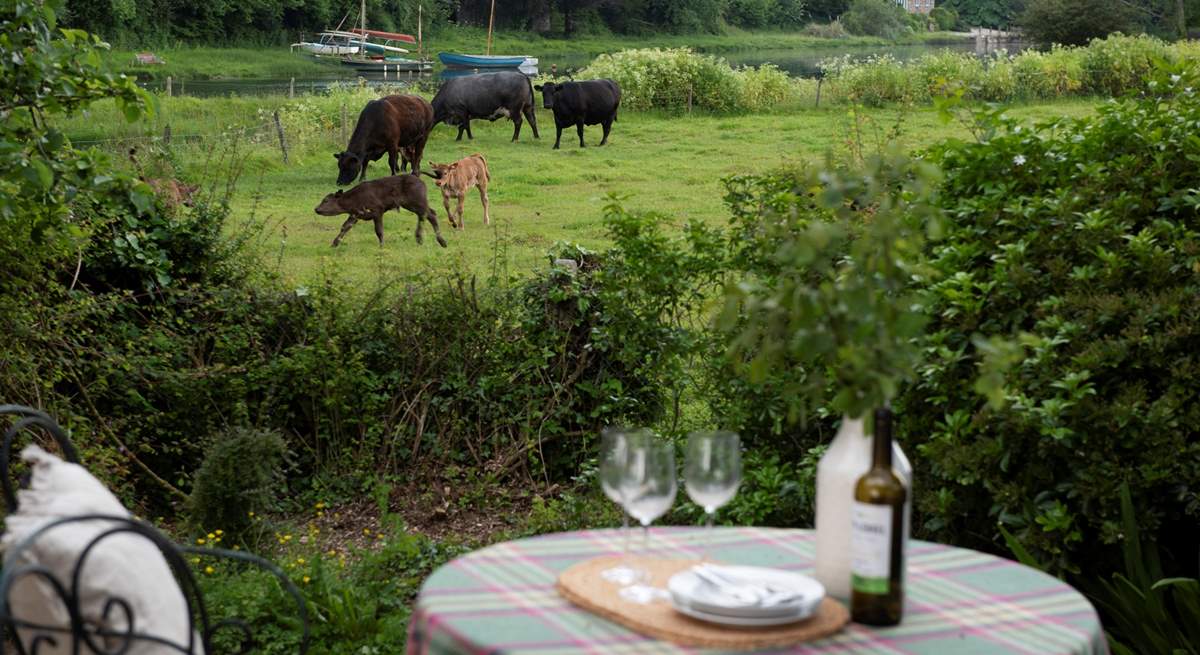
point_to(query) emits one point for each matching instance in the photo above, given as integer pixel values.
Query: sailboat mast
(491, 22)
(420, 51)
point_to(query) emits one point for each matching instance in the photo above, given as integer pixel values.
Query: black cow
(491, 96)
(582, 103)
(397, 125)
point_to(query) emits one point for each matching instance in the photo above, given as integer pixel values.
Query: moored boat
(388, 65)
(456, 60)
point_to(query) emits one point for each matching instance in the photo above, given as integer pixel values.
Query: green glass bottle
(877, 536)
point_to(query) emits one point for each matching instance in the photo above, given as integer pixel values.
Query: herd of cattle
(399, 126)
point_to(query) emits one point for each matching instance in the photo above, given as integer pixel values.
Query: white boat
(332, 43)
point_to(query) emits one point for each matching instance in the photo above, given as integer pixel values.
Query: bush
(241, 477)
(1121, 64)
(657, 78)
(875, 81)
(831, 30)
(1052, 74)
(1079, 235)
(882, 18)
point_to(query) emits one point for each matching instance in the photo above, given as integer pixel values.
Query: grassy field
(671, 164)
(266, 61)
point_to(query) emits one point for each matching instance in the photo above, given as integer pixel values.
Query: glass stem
(625, 535)
(709, 515)
(645, 538)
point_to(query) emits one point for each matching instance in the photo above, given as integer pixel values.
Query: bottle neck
(883, 439)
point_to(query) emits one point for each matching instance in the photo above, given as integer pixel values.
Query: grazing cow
(395, 125)
(582, 103)
(369, 200)
(455, 179)
(492, 95)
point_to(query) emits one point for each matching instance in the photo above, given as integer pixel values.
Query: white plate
(690, 590)
(744, 621)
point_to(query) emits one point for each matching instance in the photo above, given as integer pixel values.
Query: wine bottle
(877, 536)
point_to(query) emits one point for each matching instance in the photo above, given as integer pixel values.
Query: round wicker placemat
(582, 585)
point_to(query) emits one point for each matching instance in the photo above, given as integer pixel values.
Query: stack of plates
(745, 595)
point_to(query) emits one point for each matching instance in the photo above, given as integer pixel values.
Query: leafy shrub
(658, 78)
(1078, 235)
(935, 71)
(999, 79)
(831, 30)
(875, 81)
(882, 18)
(1052, 74)
(1120, 64)
(240, 477)
(763, 88)
(749, 13)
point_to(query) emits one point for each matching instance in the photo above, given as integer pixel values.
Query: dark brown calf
(369, 200)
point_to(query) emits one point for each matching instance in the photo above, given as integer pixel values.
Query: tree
(1075, 22)
(995, 14)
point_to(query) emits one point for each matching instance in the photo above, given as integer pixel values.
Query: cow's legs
(531, 116)
(417, 150)
(579, 128)
(607, 125)
(446, 204)
(363, 176)
(431, 216)
(469, 135)
(487, 219)
(461, 128)
(516, 119)
(559, 139)
(393, 163)
(379, 227)
(462, 199)
(345, 228)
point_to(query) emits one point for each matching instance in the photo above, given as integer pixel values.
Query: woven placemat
(582, 585)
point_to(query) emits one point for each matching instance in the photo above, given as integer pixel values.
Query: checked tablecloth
(501, 599)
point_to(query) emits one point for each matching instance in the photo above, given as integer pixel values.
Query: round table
(501, 599)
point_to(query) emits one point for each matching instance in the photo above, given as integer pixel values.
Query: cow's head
(549, 90)
(349, 166)
(440, 171)
(331, 205)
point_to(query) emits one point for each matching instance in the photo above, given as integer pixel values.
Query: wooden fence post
(167, 135)
(168, 86)
(343, 122)
(689, 100)
(292, 88)
(820, 80)
(282, 142)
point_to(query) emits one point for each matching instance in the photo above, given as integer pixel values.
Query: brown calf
(454, 180)
(369, 200)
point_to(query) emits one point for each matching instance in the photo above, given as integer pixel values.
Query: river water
(796, 62)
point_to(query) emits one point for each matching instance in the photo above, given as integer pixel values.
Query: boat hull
(456, 60)
(326, 49)
(389, 65)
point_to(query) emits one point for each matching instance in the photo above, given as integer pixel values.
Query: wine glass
(648, 491)
(614, 466)
(713, 471)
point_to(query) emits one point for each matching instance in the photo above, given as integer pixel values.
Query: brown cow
(369, 200)
(391, 125)
(455, 179)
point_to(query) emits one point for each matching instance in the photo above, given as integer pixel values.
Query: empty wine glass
(712, 472)
(649, 489)
(614, 467)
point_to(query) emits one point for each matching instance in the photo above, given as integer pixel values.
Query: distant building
(917, 6)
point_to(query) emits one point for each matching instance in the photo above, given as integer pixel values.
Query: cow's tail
(436, 177)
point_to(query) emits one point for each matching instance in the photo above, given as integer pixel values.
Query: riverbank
(275, 61)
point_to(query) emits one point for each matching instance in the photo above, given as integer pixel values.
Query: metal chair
(83, 636)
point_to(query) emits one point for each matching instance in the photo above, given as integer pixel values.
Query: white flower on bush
(1019, 160)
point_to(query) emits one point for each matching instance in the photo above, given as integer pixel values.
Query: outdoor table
(501, 599)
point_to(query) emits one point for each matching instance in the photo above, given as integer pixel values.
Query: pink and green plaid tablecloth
(501, 599)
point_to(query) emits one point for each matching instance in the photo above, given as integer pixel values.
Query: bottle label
(870, 548)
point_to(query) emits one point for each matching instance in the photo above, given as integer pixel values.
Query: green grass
(266, 61)
(672, 164)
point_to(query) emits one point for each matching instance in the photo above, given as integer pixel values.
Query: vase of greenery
(838, 312)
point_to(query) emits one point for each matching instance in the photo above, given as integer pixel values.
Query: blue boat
(455, 60)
